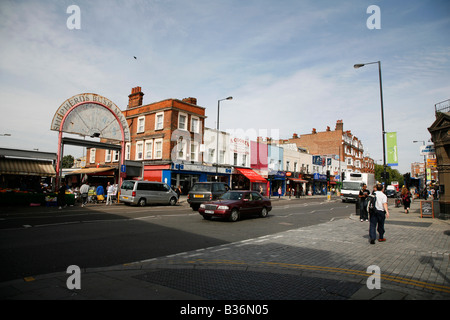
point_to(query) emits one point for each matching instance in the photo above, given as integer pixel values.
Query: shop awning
(251, 175)
(27, 167)
(91, 170)
(297, 180)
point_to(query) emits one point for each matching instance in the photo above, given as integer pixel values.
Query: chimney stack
(314, 131)
(190, 100)
(294, 136)
(339, 125)
(135, 98)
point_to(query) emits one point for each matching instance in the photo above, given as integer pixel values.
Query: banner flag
(391, 142)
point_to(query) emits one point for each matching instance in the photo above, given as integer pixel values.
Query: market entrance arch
(90, 115)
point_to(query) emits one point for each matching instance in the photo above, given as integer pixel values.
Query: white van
(146, 192)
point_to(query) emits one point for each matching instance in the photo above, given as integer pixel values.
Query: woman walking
(406, 198)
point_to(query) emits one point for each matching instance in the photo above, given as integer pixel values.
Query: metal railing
(443, 106)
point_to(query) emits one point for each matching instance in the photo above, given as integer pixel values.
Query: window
(235, 160)
(158, 149)
(127, 151)
(139, 150)
(182, 121)
(211, 155)
(159, 121)
(222, 156)
(244, 160)
(181, 149)
(140, 125)
(148, 149)
(116, 156)
(194, 151)
(195, 124)
(92, 155)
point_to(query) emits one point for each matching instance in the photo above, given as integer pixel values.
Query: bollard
(357, 206)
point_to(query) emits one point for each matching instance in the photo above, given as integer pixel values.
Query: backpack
(371, 203)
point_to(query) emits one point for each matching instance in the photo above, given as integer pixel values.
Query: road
(49, 240)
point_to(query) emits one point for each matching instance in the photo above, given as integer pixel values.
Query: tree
(394, 175)
(67, 161)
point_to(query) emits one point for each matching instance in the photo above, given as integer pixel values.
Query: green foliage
(394, 174)
(67, 161)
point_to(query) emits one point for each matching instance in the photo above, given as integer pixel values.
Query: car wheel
(173, 201)
(264, 212)
(207, 217)
(234, 215)
(142, 202)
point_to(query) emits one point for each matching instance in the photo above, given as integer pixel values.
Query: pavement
(328, 261)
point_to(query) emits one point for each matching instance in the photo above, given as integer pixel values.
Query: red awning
(251, 175)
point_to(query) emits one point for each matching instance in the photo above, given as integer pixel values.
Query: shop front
(319, 184)
(247, 179)
(295, 184)
(277, 182)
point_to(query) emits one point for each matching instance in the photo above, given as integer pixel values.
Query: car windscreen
(232, 196)
(201, 187)
(347, 185)
(128, 185)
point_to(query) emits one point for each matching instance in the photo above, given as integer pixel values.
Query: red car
(236, 203)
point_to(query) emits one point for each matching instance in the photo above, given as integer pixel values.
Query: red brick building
(162, 133)
(338, 142)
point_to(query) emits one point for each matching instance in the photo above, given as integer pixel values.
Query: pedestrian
(100, 193)
(62, 196)
(406, 198)
(279, 192)
(84, 190)
(261, 190)
(363, 198)
(378, 216)
(109, 193)
(178, 191)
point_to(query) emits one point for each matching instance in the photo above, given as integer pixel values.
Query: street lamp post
(357, 66)
(424, 163)
(217, 134)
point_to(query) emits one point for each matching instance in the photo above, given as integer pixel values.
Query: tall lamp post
(424, 162)
(217, 134)
(357, 66)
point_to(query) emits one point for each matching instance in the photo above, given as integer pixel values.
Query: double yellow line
(392, 278)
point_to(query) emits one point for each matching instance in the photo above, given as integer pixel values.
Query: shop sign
(318, 176)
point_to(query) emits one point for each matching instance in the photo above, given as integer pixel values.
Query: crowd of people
(86, 193)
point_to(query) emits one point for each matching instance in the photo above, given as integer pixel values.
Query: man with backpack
(378, 215)
(363, 198)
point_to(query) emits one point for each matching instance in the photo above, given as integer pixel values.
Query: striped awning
(91, 170)
(27, 167)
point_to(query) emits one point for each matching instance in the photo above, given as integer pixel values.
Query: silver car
(146, 192)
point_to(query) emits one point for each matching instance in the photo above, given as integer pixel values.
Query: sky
(288, 64)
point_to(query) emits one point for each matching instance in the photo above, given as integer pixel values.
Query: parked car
(235, 204)
(146, 192)
(205, 191)
(391, 193)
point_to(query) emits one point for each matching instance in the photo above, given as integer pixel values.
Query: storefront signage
(199, 168)
(318, 176)
(427, 150)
